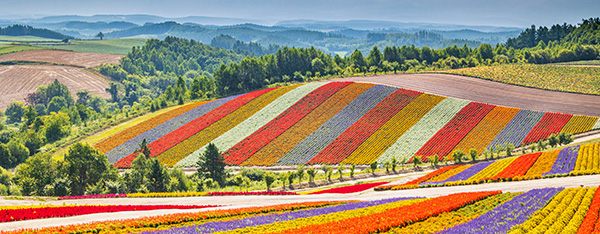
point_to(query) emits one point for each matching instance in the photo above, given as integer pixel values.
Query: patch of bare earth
(62, 57)
(491, 92)
(19, 80)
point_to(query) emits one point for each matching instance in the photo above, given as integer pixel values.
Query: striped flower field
(333, 123)
(568, 161)
(550, 210)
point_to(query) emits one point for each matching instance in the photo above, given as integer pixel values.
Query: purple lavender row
(334, 127)
(517, 129)
(509, 214)
(466, 174)
(273, 218)
(159, 131)
(565, 161)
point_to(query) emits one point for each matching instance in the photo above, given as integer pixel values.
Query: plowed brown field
(19, 80)
(491, 92)
(62, 57)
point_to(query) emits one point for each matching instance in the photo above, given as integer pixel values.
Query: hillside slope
(341, 120)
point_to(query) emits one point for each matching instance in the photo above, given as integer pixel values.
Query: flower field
(568, 161)
(22, 213)
(333, 123)
(551, 77)
(551, 210)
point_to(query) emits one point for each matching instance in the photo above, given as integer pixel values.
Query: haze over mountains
(330, 36)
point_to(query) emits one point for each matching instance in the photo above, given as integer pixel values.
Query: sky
(513, 13)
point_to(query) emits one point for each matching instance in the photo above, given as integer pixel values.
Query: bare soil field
(62, 57)
(19, 80)
(491, 92)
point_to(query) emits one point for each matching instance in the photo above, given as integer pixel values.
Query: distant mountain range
(330, 36)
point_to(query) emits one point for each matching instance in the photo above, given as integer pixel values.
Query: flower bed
(11, 215)
(278, 147)
(350, 189)
(579, 123)
(373, 148)
(319, 139)
(411, 141)
(355, 135)
(442, 143)
(244, 149)
(517, 129)
(189, 148)
(550, 123)
(186, 194)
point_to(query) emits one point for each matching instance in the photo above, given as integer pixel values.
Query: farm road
(491, 92)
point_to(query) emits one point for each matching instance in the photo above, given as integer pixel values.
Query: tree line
(23, 30)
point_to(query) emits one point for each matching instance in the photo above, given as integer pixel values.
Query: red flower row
(10, 215)
(519, 167)
(550, 123)
(250, 193)
(454, 131)
(351, 188)
(251, 144)
(340, 148)
(184, 132)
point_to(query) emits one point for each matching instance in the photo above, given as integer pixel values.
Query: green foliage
(14, 112)
(564, 138)
(211, 165)
(352, 168)
(458, 155)
(42, 169)
(373, 166)
(84, 166)
(6, 159)
(416, 160)
(311, 172)
(57, 126)
(158, 176)
(327, 170)
(269, 179)
(23, 30)
(300, 173)
(473, 153)
(254, 174)
(340, 170)
(553, 140)
(509, 147)
(56, 104)
(18, 152)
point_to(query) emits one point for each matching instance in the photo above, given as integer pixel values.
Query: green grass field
(581, 63)
(576, 79)
(6, 40)
(9, 49)
(117, 46)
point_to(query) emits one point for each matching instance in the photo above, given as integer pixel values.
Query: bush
(254, 174)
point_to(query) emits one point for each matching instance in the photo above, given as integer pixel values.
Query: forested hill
(22, 30)
(587, 33)
(328, 42)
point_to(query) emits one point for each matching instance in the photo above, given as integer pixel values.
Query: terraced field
(290, 124)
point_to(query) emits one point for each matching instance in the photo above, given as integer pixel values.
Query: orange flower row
(485, 132)
(191, 144)
(387, 135)
(543, 164)
(395, 217)
(113, 141)
(272, 152)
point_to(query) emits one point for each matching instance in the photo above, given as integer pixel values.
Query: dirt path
(230, 202)
(490, 92)
(62, 57)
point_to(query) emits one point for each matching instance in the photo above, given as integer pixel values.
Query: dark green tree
(473, 154)
(157, 176)
(269, 179)
(212, 165)
(57, 103)
(6, 159)
(358, 60)
(84, 165)
(14, 112)
(100, 35)
(374, 58)
(113, 89)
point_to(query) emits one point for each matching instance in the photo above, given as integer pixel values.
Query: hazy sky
(521, 13)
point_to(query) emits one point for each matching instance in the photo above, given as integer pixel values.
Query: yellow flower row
(388, 133)
(543, 164)
(449, 173)
(188, 146)
(487, 129)
(113, 141)
(492, 170)
(579, 124)
(321, 219)
(277, 148)
(447, 220)
(588, 158)
(564, 213)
